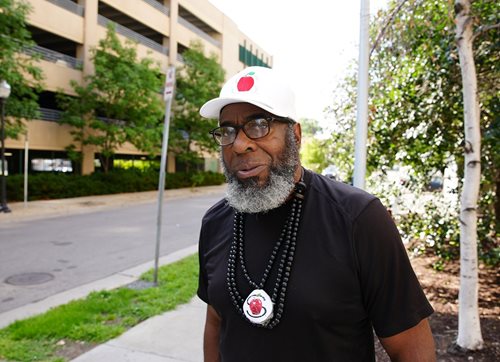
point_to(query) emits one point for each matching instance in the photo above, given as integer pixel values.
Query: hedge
(45, 186)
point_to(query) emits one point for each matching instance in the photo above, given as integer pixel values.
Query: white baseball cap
(260, 86)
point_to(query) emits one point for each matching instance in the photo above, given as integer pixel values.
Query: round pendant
(258, 307)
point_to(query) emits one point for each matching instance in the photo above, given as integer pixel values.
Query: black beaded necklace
(258, 307)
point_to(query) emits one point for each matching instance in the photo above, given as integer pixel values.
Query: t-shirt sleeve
(202, 277)
(392, 294)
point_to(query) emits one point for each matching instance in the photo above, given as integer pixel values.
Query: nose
(242, 143)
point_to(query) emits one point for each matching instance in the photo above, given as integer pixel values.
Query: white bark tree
(469, 327)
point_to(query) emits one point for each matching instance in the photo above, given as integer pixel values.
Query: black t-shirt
(350, 274)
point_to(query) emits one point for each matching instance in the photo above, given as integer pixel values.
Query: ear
(297, 130)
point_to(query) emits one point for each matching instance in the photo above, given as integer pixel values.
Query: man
(295, 266)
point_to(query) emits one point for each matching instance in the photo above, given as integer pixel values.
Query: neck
(298, 178)
(299, 173)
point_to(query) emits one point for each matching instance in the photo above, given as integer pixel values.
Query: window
(249, 59)
(51, 164)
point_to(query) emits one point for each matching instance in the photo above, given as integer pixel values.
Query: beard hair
(250, 197)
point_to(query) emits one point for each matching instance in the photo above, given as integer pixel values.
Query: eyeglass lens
(256, 128)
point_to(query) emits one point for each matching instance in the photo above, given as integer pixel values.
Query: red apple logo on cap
(246, 82)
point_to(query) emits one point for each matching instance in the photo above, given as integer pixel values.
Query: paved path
(174, 336)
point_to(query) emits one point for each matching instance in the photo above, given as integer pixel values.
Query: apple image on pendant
(255, 306)
(258, 307)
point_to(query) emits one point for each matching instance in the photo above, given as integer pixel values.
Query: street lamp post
(4, 94)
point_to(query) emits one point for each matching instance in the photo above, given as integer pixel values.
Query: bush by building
(45, 186)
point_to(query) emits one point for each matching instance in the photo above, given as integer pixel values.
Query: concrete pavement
(52, 208)
(173, 336)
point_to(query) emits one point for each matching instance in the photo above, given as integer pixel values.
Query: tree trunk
(497, 201)
(469, 327)
(189, 160)
(107, 161)
(104, 163)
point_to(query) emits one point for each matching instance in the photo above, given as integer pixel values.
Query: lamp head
(4, 89)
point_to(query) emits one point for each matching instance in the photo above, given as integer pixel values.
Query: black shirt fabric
(350, 275)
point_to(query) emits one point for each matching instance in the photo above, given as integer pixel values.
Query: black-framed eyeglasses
(254, 129)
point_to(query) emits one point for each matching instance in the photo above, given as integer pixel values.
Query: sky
(312, 42)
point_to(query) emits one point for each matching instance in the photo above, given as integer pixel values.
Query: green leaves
(119, 103)
(416, 86)
(198, 81)
(416, 111)
(19, 70)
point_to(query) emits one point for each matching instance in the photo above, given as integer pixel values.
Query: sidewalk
(78, 205)
(173, 336)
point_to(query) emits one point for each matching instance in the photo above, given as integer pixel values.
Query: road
(47, 256)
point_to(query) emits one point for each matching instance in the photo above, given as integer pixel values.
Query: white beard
(251, 198)
(259, 199)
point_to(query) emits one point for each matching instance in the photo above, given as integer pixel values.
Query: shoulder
(346, 199)
(218, 212)
(216, 229)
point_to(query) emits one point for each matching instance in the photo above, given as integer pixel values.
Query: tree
(415, 90)
(339, 148)
(313, 155)
(120, 102)
(310, 127)
(469, 329)
(18, 69)
(417, 120)
(416, 106)
(417, 116)
(198, 81)
(312, 150)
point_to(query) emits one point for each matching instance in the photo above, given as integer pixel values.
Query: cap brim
(213, 107)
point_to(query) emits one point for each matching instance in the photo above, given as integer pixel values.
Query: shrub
(429, 221)
(44, 186)
(207, 178)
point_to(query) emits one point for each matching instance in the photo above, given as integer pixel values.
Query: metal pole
(161, 183)
(3, 206)
(26, 158)
(362, 101)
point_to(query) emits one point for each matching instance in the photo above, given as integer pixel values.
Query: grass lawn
(100, 316)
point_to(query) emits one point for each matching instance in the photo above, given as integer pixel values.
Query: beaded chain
(288, 238)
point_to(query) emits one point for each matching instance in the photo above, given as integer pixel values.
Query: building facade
(64, 32)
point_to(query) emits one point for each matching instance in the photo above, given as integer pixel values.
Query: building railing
(55, 57)
(198, 31)
(133, 35)
(180, 58)
(158, 6)
(69, 5)
(54, 115)
(47, 114)
(114, 121)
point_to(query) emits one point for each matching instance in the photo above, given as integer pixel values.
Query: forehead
(240, 111)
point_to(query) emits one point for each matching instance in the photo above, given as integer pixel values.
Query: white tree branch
(386, 25)
(483, 29)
